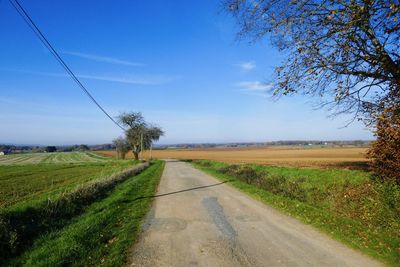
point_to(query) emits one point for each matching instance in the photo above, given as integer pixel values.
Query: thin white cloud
(133, 79)
(256, 88)
(246, 66)
(103, 59)
(137, 79)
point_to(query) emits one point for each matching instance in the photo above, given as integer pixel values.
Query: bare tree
(122, 145)
(345, 51)
(139, 132)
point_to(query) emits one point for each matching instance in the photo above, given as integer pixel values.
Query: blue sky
(177, 63)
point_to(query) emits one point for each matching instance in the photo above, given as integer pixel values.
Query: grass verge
(346, 205)
(20, 226)
(102, 235)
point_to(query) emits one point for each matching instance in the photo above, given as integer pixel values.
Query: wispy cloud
(133, 79)
(105, 59)
(254, 88)
(246, 66)
(137, 79)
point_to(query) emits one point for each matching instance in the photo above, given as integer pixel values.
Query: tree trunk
(136, 154)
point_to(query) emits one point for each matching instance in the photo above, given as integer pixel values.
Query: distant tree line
(10, 148)
(74, 148)
(330, 143)
(38, 149)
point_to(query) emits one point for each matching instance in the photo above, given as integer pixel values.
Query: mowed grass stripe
(22, 158)
(60, 157)
(97, 156)
(86, 157)
(34, 160)
(79, 157)
(11, 159)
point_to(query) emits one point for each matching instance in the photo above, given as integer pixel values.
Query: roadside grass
(347, 205)
(103, 234)
(25, 184)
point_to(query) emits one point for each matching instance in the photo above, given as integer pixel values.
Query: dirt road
(198, 221)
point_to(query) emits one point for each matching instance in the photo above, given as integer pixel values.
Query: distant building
(5, 152)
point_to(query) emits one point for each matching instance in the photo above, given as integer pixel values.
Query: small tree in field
(122, 146)
(139, 134)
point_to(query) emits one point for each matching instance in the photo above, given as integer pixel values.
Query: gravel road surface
(198, 221)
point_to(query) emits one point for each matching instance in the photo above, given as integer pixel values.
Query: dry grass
(349, 157)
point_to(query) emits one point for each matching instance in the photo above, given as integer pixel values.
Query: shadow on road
(181, 191)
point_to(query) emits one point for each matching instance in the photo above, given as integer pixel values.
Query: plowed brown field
(279, 156)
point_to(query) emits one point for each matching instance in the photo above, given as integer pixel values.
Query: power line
(21, 11)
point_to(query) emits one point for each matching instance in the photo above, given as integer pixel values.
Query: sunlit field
(42, 194)
(34, 177)
(350, 157)
(64, 157)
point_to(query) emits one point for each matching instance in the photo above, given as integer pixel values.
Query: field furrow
(61, 157)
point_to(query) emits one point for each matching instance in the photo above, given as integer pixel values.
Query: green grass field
(60, 157)
(348, 205)
(103, 234)
(49, 177)
(42, 194)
